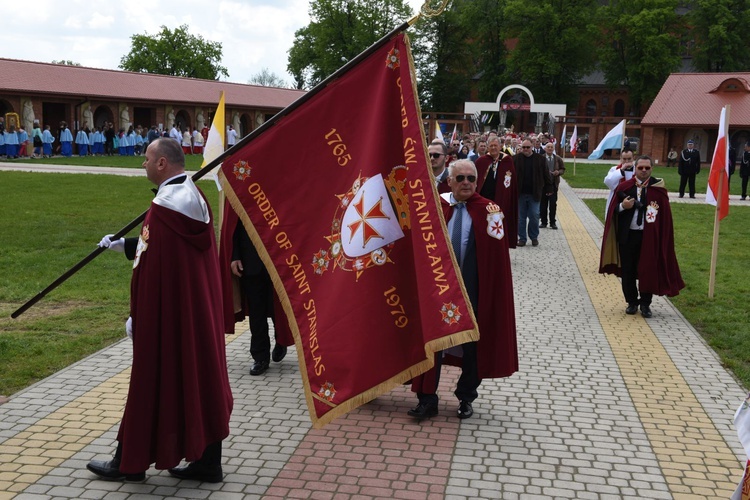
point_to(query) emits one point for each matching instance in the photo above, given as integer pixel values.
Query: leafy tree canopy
(66, 62)
(720, 35)
(640, 46)
(338, 31)
(175, 53)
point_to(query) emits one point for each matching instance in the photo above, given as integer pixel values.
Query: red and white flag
(350, 228)
(574, 141)
(718, 189)
(454, 135)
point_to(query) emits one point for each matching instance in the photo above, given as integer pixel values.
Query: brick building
(688, 106)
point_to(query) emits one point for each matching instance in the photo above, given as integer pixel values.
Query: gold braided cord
(428, 11)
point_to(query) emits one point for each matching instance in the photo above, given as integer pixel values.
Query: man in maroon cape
(481, 249)
(497, 182)
(179, 401)
(638, 241)
(248, 292)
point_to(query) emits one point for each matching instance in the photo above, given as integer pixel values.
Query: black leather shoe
(542, 225)
(521, 243)
(423, 410)
(631, 309)
(111, 471)
(259, 368)
(465, 410)
(553, 226)
(199, 472)
(278, 353)
(646, 311)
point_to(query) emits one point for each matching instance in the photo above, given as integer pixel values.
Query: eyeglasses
(436, 155)
(643, 168)
(525, 147)
(470, 178)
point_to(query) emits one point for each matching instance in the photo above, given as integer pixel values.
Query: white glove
(116, 245)
(129, 327)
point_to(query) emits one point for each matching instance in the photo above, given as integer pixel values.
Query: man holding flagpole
(480, 245)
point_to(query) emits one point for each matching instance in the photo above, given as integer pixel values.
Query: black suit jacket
(690, 162)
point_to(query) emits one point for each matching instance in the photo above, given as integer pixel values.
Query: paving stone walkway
(604, 406)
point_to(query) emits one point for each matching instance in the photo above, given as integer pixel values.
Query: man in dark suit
(556, 167)
(688, 167)
(534, 181)
(258, 292)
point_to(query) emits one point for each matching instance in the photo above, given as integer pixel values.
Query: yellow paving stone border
(35, 451)
(695, 459)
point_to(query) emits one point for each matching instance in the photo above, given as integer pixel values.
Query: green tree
(719, 30)
(267, 78)
(66, 62)
(443, 62)
(487, 27)
(553, 50)
(639, 46)
(338, 31)
(176, 53)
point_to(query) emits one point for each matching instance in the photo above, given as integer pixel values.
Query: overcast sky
(254, 33)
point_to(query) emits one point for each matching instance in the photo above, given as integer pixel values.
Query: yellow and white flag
(215, 141)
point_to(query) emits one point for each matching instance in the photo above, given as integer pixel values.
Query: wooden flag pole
(717, 222)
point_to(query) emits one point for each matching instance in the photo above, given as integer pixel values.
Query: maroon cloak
(497, 350)
(235, 307)
(179, 399)
(658, 271)
(506, 192)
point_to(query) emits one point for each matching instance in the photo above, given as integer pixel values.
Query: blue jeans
(528, 209)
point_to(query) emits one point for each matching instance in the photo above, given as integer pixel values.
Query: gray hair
(460, 163)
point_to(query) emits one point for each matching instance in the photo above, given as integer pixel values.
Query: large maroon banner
(338, 198)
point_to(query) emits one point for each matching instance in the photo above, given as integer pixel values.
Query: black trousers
(548, 203)
(211, 455)
(686, 179)
(630, 256)
(468, 382)
(258, 291)
(744, 186)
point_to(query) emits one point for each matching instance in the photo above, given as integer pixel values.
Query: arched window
(619, 107)
(591, 108)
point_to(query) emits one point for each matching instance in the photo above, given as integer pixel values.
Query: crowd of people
(106, 140)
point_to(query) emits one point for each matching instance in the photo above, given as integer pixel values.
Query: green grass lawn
(51, 222)
(591, 175)
(723, 321)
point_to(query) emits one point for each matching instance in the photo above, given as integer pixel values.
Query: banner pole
(219, 159)
(717, 220)
(715, 243)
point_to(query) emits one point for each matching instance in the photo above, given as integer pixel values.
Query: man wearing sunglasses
(534, 181)
(638, 241)
(438, 154)
(480, 245)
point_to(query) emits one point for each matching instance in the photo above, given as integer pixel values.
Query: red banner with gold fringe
(338, 198)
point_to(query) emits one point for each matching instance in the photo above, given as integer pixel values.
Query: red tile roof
(92, 83)
(696, 99)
